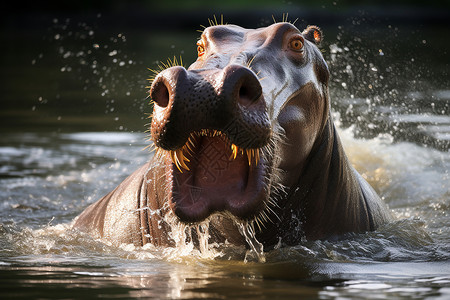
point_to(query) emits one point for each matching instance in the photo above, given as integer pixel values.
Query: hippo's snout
(229, 101)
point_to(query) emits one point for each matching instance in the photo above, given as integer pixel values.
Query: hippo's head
(235, 129)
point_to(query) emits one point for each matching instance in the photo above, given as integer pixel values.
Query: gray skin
(264, 89)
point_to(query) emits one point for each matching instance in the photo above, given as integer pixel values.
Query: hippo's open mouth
(210, 174)
(213, 125)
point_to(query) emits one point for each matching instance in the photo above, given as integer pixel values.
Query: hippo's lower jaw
(209, 174)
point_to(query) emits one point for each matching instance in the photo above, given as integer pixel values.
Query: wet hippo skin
(244, 135)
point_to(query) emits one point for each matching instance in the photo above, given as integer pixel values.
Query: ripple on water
(387, 260)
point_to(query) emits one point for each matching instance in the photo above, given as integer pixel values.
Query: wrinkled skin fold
(243, 135)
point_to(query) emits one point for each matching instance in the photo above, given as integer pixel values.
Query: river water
(393, 118)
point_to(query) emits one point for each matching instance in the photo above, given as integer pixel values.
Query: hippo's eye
(200, 48)
(296, 44)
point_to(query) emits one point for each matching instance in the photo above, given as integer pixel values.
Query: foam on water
(402, 173)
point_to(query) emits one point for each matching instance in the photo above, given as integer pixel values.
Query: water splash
(190, 241)
(256, 247)
(203, 238)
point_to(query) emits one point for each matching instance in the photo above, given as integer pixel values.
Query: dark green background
(37, 93)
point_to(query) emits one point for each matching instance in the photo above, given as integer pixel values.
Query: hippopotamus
(243, 136)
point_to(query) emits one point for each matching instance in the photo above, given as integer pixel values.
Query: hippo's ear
(313, 34)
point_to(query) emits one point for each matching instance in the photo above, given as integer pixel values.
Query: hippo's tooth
(252, 154)
(234, 150)
(179, 159)
(179, 156)
(189, 145)
(249, 156)
(173, 158)
(182, 159)
(205, 132)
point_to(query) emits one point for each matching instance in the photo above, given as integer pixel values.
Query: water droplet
(112, 53)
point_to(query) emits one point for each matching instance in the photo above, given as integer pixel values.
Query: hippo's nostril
(249, 92)
(160, 94)
(240, 85)
(244, 96)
